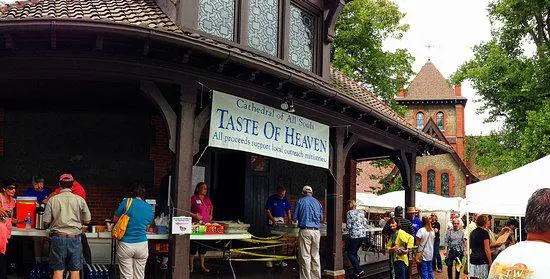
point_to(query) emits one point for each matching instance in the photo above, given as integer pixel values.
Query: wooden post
(179, 250)
(335, 207)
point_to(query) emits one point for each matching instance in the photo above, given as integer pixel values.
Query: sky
(453, 27)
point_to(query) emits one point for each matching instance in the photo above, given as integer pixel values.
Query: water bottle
(28, 221)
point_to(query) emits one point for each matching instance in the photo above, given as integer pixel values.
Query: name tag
(199, 202)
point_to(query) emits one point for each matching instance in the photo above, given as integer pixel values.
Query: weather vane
(429, 46)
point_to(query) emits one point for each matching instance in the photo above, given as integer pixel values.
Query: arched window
(431, 182)
(445, 184)
(440, 121)
(418, 178)
(419, 121)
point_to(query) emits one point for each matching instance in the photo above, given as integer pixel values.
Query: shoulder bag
(120, 227)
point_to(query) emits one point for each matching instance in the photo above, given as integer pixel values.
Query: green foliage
(514, 85)
(357, 48)
(397, 185)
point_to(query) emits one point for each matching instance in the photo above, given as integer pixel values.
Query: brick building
(435, 108)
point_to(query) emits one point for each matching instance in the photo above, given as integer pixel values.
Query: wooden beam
(99, 43)
(153, 93)
(10, 43)
(179, 250)
(200, 122)
(335, 205)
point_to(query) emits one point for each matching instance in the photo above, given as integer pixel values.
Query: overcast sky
(453, 27)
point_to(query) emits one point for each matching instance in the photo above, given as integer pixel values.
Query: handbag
(418, 256)
(120, 227)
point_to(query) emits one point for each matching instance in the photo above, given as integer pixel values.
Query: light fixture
(291, 107)
(284, 105)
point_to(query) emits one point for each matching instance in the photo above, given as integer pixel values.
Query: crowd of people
(474, 249)
(66, 213)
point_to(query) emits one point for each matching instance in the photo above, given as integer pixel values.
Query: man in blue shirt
(415, 220)
(38, 189)
(309, 213)
(277, 208)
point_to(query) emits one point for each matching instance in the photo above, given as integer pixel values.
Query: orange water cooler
(24, 206)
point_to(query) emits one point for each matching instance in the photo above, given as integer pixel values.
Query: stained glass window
(418, 178)
(440, 121)
(263, 25)
(419, 121)
(445, 184)
(431, 182)
(300, 47)
(217, 17)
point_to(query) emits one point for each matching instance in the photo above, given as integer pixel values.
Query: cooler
(24, 206)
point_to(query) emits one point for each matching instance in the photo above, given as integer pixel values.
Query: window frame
(418, 187)
(443, 115)
(240, 32)
(448, 184)
(428, 181)
(423, 120)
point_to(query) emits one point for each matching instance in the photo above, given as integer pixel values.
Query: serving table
(226, 238)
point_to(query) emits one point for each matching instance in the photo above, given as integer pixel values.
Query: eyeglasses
(11, 188)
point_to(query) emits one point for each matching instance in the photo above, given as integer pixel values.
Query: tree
(357, 47)
(513, 83)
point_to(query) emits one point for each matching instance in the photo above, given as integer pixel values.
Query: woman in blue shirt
(133, 249)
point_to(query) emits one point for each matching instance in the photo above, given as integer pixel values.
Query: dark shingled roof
(147, 14)
(144, 13)
(429, 84)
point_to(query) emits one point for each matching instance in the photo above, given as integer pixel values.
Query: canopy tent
(424, 202)
(508, 193)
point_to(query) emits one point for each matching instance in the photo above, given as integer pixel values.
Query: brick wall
(160, 153)
(460, 131)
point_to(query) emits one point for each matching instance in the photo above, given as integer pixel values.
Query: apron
(5, 224)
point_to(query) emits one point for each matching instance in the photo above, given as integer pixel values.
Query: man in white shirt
(528, 259)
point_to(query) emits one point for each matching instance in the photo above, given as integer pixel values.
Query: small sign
(181, 225)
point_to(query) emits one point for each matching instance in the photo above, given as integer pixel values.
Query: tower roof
(429, 84)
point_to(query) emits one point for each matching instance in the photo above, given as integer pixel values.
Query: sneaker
(360, 274)
(283, 264)
(269, 264)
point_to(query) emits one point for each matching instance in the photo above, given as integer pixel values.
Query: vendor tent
(424, 202)
(508, 193)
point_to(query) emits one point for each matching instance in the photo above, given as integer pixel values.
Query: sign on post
(181, 225)
(241, 124)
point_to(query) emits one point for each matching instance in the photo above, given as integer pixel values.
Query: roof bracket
(186, 56)
(146, 47)
(99, 43)
(53, 39)
(10, 43)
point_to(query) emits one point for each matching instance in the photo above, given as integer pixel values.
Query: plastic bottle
(28, 221)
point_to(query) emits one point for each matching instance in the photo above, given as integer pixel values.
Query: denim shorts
(66, 253)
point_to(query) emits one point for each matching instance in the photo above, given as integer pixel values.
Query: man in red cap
(77, 188)
(65, 213)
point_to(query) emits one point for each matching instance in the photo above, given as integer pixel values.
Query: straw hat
(412, 209)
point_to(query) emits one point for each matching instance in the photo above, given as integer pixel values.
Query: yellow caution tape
(277, 257)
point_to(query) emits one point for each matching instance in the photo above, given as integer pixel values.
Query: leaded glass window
(419, 121)
(300, 47)
(445, 184)
(440, 121)
(431, 182)
(263, 25)
(418, 178)
(217, 17)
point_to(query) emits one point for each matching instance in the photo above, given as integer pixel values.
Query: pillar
(335, 207)
(179, 250)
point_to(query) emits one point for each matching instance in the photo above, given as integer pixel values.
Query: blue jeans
(400, 269)
(66, 253)
(353, 247)
(436, 261)
(426, 271)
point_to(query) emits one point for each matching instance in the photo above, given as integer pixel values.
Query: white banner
(241, 124)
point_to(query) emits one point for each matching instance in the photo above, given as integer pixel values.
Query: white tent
(424, 202)
(508, 193)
